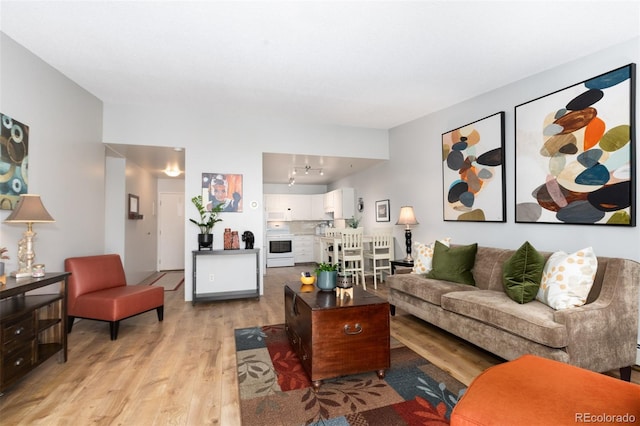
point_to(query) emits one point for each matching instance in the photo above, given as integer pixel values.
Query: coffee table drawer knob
(356, 330)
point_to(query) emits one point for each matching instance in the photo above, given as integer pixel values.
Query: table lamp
(407, 217)
(29, 210)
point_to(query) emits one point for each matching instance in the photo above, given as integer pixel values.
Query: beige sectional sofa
(600, 336)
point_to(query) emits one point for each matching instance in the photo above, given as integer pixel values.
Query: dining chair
(329, 248)
(380, 252)
(351, 254)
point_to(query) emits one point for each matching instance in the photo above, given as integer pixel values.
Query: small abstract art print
(575, 153)
(14, 156)
(473, 171)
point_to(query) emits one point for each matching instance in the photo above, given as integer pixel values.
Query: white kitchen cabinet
(303, 248)
(275, 207)
(299, 206)
(272, 202)
(341, 202)
(317, 208)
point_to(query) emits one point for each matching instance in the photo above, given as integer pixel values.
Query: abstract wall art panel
(575, 153)
(473, 171)
(14, 156)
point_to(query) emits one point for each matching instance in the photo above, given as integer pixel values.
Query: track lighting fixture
(307, 170)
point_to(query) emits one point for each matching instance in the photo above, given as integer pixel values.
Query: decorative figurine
(248, 239)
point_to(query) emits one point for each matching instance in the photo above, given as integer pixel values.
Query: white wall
(414, 172)
(116, 206)
(416, 167)
(140, 236)
(66, 156)
(221, 142)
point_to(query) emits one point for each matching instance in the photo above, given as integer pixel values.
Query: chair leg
(113, 327)
(70, 320)
(160, 311)
(625, 373)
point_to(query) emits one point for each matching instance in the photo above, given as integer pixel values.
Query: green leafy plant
(326, 267)
(353, 222)
(208, 218)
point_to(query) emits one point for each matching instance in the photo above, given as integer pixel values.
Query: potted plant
(208, 218)
(353, 222)
(327, 276)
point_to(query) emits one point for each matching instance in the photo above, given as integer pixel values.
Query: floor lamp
(407, 217)
(29, 210)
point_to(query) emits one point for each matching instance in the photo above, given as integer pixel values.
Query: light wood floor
(183, 371)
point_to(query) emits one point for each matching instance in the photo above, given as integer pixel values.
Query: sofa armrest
(602, 335)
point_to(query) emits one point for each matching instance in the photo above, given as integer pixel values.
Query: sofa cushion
(424, 288)
(567, 278)
(424, 255)
(453, 263)
(522, 273)
(533, 321)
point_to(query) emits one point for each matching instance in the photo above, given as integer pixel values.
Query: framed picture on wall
(382, 211)
(473, 171)
(575, 153)
(221, 188)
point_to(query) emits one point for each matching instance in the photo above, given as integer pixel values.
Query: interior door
(170, 231)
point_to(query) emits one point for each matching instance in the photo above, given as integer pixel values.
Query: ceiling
(153, 159)
(375, 64)
(278, 168)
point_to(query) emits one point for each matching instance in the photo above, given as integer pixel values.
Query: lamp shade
(29, 209)
(407, 216)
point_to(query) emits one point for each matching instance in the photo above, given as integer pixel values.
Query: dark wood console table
(32, 326)
(225, 274)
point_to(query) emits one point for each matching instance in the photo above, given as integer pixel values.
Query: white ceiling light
(172, 172)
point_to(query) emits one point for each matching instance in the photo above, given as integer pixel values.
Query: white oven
(279, 248)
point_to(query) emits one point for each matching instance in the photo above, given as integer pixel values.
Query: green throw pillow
(453, 263)
(522, 273)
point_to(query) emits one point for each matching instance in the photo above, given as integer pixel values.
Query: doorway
(170, 231)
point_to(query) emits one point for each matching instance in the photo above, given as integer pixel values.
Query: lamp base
(408, 259)
(20, 274)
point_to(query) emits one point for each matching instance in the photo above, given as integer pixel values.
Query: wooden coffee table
(337, 337)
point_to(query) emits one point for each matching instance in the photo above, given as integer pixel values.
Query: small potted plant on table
(208, 218)
(327, 276)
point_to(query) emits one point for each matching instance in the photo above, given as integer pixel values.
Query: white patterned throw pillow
(568, 278)
(423, 256)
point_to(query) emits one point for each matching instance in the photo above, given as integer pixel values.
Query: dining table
(337, 240)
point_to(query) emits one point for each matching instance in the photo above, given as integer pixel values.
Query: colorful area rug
(275, 390)
(171, 281)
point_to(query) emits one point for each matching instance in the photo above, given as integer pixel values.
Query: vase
(227, 239)
(235, 240)
(327, 280)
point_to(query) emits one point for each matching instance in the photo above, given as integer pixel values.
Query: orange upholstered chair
(98, 290)
(531, 390)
